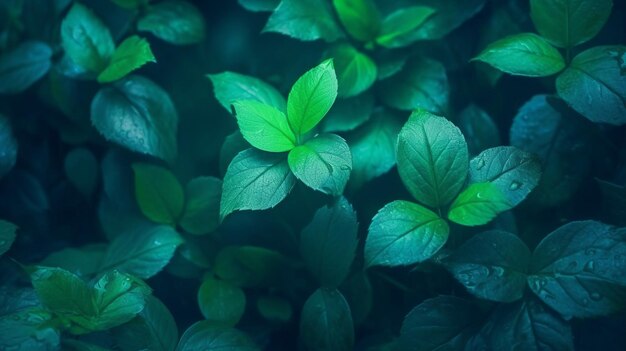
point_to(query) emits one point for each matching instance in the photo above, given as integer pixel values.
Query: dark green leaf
(8, 145)
(233, 144)
(404, 233)
(7, 236)
(333, 332)
(356, 72)
(259, 5)
(81, 169)
(360, 18)
(249, 266)
(264, 126)
(176, 22)
(348, 114)
(159, 194)
(221, 302)
(274, 309)
(202, 209)
(131, 4)
(449, 15)
(204, 336)
(478, 204)
(23, 66)
(479, 128)
(614, 200)
(400, 28)
(229, 87)
(28, 330)
(84, 261)
(304, 20)
(132, 53)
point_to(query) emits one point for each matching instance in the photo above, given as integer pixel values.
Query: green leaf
(360, 18)
(513, 171)
(373, 148)
(8, 145)
(86, 40)
(77, 345)
(28, 330)
(84, 261)
(221, 302)
(304, 20)
(449, 15)
(311, 97)
(322, 163)
(333, 332)
(440, 323)
(138, 115)
(81, 169)
(7, 235)
(525, 54)
(143, 252)
(255, 180)
(348, 114)
(229, 87)
(478, 204)
(159, 194)
(264, 127)
(249, 266)
(207, 337)
(423, 84)
(356, 72)
(577, 269)
(130, 4)
(479, 128)
(404, 233)
(132, 53)
(176, 22)
(329, 242)
(399, 28)
(23, 66)
(492, 266)
(259, 5)
(233, 144)
(594, 86)
(202, 210)
(432, 158)
(567, 23)
(274, 309)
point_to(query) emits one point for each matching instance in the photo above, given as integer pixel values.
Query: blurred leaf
(23, 66)
(334, 332)
(479, 129)
(249, 266)
(81, 169)
(159, 194)
(304, 20)
(274, 309)
(360, 18)
(177, 22)
(8, 145)
(356, 72)
(202, 209)
(220, 302)
(230, 87)
(28, 330)
(207, 337)
(399, 29)
(259, 5)
(348, 114)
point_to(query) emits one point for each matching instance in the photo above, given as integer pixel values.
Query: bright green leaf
(399, 28)
(229, 87)
(263, 126)
(478, 204)
(132, 53)
(356, 72)
(205, 336)
(360, 18)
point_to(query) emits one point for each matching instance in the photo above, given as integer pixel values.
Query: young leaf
(249, 266)
(360, 18)
(86, 40)
(492, 266)
(259, 5)
(525, 54)
(304, 20)
(143, 252)
(139, 115)
(567, 23)
(202, 209)
(322, 163)
(230, 87)
(399, 28)
(432, 158)
(513, 171)
(594, 86)
(440, 323)
(264, 127)
(7, 236)
(206, 336)
(479, 129)
(8, 145)
(132, 53)
(478, 204)
(423, 84)
(404, 233)
(81, 169)
(577, 269)
(220, 302)
(159, 194)
(334, 332)
(356, 72)
(255, 180)
(176, 22)
(23, 66)
(328, 243)
(311, 97)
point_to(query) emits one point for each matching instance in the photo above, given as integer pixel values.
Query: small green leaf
(221, 302)
(176, 22)
(356, 72)
(274, 309)
(525, 54)
(206, 336)
(229, 87)
(322, 163)
(478, 204)
(202, 209)
(132, 53)
(432, 158)
(567, 23)
(81, 169)
(159, 194)
(311, 97)
(399, 28)
(333, 332)
(249, 266)
(8, 145)
(404, 233)
(23, 66)
(264, 127)
(7, 235)
(360, 18)
(304, 20)
(255, 180)
(86, 40)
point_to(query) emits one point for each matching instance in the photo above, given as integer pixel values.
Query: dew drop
(481, 164)
(595, 296)
(515, 185)
(589, 267)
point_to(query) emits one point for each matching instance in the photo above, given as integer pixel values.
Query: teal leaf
(81, 169)
(479, 128)
(221, 302)
(28, 329)
(138, 115)
(159, 194)
(432, 158)
(525, 54)
(333, 332)
(322, 163)
(449, 15)
(130, 4)
(304, 20)
(131, 54)
(7, 235)
(274, 309)
(356, 72)
(360, 18)
(23, 66)
(478, 204)
(84, 261)
(8, 145)
(594, 86)
(263, 126)
(348, 114)
(176, 22)
(207, 337)
(492, 266)
(399, 28)
(255, 180)
(404, 233)
(202, 208)
(229, 87)
(328, 244)
(259, 5)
